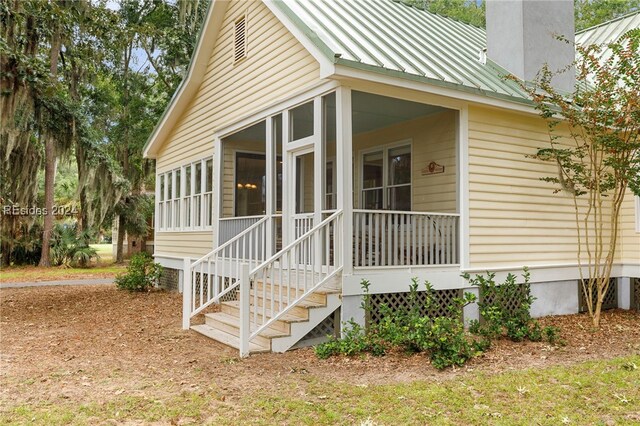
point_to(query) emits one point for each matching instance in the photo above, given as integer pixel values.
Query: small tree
(600, 160)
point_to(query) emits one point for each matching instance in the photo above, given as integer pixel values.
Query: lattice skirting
(510, 304)
(330, 326)
(401, 301)
(610, 299)
(169, 279)
(635, 293)
(202, 280)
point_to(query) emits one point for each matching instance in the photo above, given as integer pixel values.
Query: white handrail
(406, 212)
(300, 268)
(217, 274)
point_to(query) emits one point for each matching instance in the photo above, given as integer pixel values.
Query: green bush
(442, 338)
(142, 274)
(505, 309)
(70, 247)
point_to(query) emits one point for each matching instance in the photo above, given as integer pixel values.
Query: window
(386, 179)
(240, 40)
(399, 178)
(185, 197)
(372, 181)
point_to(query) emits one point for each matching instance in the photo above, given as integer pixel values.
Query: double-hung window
(386, 178)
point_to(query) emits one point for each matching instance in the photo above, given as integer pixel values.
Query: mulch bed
(92, 342)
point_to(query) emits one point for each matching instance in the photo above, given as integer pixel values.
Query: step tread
(226, 338)
(321, 290)
(288, 317)
(303, 303)
(234, 321)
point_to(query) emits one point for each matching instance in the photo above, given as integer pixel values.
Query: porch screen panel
(301, 122)
(250, 192)
(277, 140)
(329, 148)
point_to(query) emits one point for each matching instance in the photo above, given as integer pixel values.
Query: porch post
(216, 190)
(186, 294)
(270, 182)
(288, 204)
(318, 178)
(344, 160)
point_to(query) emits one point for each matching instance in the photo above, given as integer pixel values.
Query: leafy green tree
(600, 159)
(589, 13)
(468, 11)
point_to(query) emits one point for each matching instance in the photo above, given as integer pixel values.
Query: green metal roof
(391, 37)
(609, 31)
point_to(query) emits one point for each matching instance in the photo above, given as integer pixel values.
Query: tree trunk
(120, 242)
(49, 163)
(49, 180)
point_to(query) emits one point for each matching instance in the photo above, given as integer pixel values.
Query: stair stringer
(301, 329)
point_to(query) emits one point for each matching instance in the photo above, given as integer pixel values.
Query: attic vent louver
(240, 40)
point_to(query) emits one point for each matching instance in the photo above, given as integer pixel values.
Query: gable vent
(240, 40)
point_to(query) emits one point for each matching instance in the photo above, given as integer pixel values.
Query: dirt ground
(90, 343)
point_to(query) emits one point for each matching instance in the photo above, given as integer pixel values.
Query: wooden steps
(227, 338)
(224, 326)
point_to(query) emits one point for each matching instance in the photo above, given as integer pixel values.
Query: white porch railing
(229, 227)
(398, 238)
(288, 277)
(302, 223)
(216, 274)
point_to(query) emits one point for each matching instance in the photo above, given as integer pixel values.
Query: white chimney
(522, 37)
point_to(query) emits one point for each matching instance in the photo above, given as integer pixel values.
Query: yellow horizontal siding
(514, 216)
(276, 66)
(179, 244)
(629, 238)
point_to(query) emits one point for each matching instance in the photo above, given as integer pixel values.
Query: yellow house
(316, 144)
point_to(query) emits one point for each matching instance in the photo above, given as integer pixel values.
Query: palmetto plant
(70, 247)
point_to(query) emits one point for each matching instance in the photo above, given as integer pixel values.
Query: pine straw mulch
(89, 343)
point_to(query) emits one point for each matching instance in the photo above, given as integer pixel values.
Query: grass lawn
(597, 392)
(103, 268)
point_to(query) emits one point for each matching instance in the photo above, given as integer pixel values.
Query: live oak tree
(594, 141)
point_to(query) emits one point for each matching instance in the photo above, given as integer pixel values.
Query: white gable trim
(327, 68)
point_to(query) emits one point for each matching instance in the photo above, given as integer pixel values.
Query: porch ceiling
(372, 112)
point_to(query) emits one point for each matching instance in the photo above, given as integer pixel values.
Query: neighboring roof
(608, 32)
(390, 36)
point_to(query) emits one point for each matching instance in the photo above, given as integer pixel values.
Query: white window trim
(385, 170)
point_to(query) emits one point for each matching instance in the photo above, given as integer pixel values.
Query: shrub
(442, 338)
(505, 309)
(70, 247)
(142, 274)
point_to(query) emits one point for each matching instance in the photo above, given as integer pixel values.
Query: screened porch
(401, 164)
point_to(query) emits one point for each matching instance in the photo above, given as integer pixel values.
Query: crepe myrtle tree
(593, 135)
